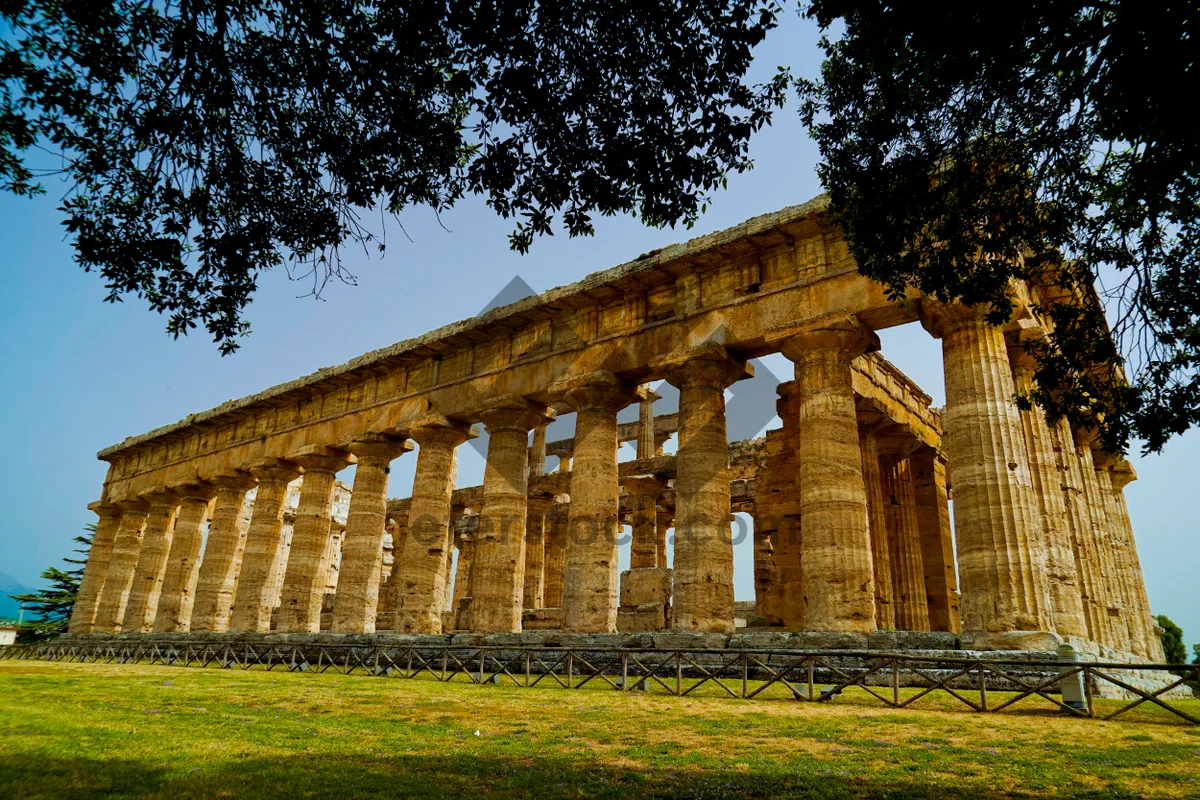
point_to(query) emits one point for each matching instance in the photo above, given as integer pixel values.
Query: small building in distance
(8, 634)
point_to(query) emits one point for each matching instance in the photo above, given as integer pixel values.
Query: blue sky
(78, 374)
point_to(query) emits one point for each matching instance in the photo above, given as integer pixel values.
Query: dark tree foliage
(53, 605)
(204, 141)
(1172, 640)
(966, 145)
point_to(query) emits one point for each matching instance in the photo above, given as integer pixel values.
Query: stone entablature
(746, 287)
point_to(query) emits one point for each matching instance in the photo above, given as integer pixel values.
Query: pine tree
(54, 604)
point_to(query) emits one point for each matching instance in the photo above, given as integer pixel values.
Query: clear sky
(78, 375)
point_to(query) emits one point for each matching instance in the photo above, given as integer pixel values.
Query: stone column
(665, 521)
(357, 597)
(1066, 599)
(1113, 630)
(766, 575)
(462, 572)
(590, 578)
(183, 562)
(836, 542)
(1006, 596)
(498, 573)
(1126, 620)
(537, 453)
(304, 581)
(83, 615)
(1150, 647)
(564, 462)
(643, 550)
(556, 555)
(937, 539)
(257, 589)
(423, 576)
(110, 612)
(904, 544)
(1079, 523)
(146, 589)
(647, 444)
(214, 588)
(535, 551)
(703, 564)
(885, 612)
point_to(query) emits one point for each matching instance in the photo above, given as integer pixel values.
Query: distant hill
(9, 608)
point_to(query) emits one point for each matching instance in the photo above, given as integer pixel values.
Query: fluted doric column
(83, 615)
(420, 584)
(643, 550)
(127, 542)
(357, 598)
(537, 452)
(1001, 557)
(590, 580)
(1117, 571)
(885, 611)
(665, 521)
(1079, 525)
(462, 572)
(904, 544)
(1097, 547)
(304, 580)
(556, 556)
(144, 593)
(183, 562)
(498, 574)
(647, 443)
(1150, 647)
(535, 551)
(839, 585)
(702, 598)
(258, 585)
(1066, 597)
(214, 587)
(937, 539)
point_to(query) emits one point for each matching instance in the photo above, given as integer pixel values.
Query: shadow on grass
(552, 776)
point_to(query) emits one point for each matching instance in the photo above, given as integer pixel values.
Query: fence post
(1071, 684)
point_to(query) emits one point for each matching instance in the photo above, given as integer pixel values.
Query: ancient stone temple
(228, 521)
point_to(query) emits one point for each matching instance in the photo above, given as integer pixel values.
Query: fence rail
(981, 685)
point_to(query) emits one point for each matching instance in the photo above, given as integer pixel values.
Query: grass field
(90, 730)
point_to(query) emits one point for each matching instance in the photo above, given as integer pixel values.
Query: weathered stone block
(646, 585)
(644, 618)
(542, 619)
(912, 640)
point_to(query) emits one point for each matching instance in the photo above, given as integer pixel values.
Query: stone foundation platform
(773, 649)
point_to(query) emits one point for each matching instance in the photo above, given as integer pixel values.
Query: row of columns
(868, 542)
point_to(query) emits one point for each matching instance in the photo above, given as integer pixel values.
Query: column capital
(376, 449)
(512, 412)
(597, 391)
(439, 429)
(234, 479)
(1123, 474)
(193, 489)
(647, 395)
(104, 510)
(941, 319)
(320, 458)
(160, 496)
(644, 484)
(842, 334)
(539, 503)
(133, 505)
(708, 364)
(274, 470)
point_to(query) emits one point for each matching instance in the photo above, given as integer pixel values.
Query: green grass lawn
(91, 730)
